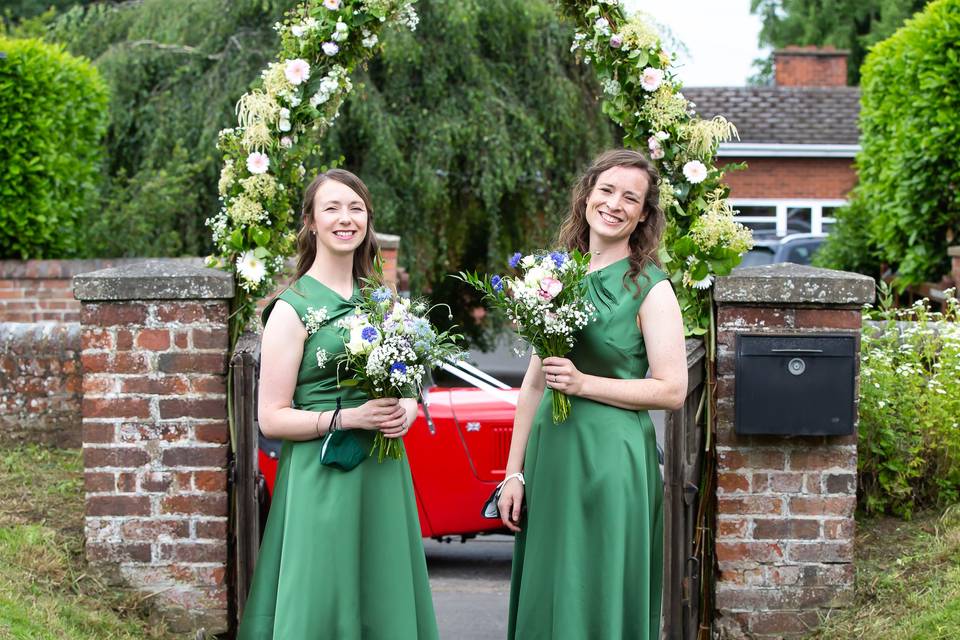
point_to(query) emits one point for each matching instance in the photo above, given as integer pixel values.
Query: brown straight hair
(364, 254)
(645, 239)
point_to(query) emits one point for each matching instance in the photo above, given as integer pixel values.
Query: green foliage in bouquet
(390, 344)
(546, 302)
(53, 113)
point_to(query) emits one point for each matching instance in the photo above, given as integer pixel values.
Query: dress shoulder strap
(294, 295)
(646, 279)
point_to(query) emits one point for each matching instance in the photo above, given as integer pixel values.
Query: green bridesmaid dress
(588, 561)
(342, 555)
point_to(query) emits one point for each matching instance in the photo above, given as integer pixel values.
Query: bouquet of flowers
(547, 302)
(390, 344)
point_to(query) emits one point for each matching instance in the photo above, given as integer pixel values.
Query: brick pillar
(785, 505)
(954, 253)
(154, 339)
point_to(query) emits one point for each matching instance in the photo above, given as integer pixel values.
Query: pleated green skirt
(588, 563)
(342, 557)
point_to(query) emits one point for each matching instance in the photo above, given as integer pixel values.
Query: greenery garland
(300, 94)
(298, 98)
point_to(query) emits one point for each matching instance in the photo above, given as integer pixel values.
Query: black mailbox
(795, 385)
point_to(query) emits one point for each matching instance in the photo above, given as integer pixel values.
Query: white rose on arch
(695, 172)
(651, 79)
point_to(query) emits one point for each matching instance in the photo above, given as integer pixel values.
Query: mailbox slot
(798, 385)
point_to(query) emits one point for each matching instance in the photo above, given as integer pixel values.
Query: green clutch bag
(341, 450)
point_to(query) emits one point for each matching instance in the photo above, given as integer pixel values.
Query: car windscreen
(757, 256)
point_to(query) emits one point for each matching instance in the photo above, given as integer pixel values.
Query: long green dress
(342, 555)
(588, 561)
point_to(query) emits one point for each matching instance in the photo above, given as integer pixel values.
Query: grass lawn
(908, 573)
(908, 580)
(45, 591)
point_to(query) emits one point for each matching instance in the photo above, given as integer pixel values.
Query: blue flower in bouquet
(515, 260)
(369, 334)
(558, 258)
(421, 327)
(497, 282)
(381, 295)
(398, 367)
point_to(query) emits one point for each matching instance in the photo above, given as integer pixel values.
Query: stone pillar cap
(954, 251)
(388, 240)
(788, 283)
(154, 280)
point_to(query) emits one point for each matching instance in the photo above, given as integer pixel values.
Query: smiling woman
(325, 567)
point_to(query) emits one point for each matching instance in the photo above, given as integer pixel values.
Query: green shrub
(910, 409)
(909, 169)
(53, 110)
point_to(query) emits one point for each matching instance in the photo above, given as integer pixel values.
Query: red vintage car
(457, 449)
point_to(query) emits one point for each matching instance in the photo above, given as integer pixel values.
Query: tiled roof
(784, 115)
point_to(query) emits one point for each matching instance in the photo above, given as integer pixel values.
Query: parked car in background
(798, 248)
(457, 449)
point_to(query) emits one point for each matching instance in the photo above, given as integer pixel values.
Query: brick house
(798, 138)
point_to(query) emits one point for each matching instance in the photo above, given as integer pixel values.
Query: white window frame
(781, 205)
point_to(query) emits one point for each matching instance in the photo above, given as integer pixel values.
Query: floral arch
(300, 95)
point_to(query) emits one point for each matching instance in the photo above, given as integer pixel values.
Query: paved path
(471, 586)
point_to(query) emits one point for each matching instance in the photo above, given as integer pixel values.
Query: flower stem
(386, 448)
(561, 407)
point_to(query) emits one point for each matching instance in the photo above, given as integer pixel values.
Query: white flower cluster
(322, 358)
(313, 319)
(535, 296)
(336, 78)
(407, 16)
(567, 319)
(611, 87)
(392, 363)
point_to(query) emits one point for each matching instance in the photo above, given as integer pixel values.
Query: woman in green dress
(342, 555)
(588, 554)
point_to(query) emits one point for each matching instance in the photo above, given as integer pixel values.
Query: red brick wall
(155, 452)
(42, 290)
(785, 526)
(810, 67)
(40, 383)
(813, 178)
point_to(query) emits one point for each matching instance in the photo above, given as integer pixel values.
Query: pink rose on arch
(550, 288)
(616, 41)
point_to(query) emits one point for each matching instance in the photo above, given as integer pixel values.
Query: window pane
(755, 211)
(799, 220)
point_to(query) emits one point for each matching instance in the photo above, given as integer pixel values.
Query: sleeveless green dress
(342, 555)
(588, 561)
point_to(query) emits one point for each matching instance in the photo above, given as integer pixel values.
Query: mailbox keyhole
(796, 366)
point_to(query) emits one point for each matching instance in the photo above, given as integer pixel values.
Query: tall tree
(855, 25)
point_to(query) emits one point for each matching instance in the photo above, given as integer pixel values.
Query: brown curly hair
(645, 240)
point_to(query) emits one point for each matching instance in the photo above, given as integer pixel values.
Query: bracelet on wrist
(518, 475)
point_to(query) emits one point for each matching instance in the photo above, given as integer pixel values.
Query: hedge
(53, 114)
(906, 206)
